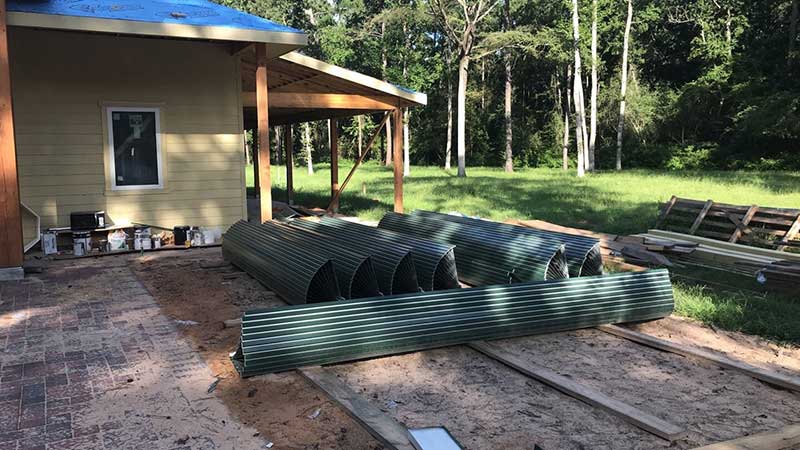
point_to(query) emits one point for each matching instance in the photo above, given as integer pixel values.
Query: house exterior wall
(63, 81)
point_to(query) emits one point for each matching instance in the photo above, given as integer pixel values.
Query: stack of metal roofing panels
(274, 262)
(354, 271)
(583, 253)
(288, 337)
(393, 263)
(484, 257)
(435, 261)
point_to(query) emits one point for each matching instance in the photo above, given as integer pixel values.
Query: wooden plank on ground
(748, 216)
(791, 233)
(630, 414)
(701, 216)
(786, 437)
(665, 212)
(707, 243)
(385, 429)
(784, 381)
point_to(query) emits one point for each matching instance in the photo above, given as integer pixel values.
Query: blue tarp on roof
(186, 12)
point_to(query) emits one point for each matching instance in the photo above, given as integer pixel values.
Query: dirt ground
(483, 403)
(198, 286)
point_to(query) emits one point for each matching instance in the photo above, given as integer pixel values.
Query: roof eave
(406, 96)
(284, 41)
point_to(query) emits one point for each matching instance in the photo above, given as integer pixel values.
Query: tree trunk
(448, 149)
(406, 144)
(461, 138)
(509, 166)
(623, 84)
(360, 135)
(277, 134)
(384, 65)
(483, 84)
(567, 112)
(388, 126)
(307, 145)
(793, 19)
(594, 93)
(580, 117)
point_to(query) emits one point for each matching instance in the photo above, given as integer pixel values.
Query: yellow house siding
(62, 83)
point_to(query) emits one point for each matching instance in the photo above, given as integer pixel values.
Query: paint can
(81, 243)
(49, 244)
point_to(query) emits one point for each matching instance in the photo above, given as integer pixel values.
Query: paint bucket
(117, 240)
(49, 245)
(81, 243)
(209, 236)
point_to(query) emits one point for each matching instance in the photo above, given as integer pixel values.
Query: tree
(580, 111)
(463, 34)
(307, 145)
(565, 104)
(623, 84)
(594, 93)
(509, 165)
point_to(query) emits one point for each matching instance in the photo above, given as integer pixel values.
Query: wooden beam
(786, 437)
(776, 379)
(310, 100)
(237, 48)
(385, 429)
(791, 233)
(375, 134)
(397, 145)
(334, 205)
(701, 216)
(748, 216)
(665, 212)
(10, 216)
(262, 107)
(628, 413)
(288, 145)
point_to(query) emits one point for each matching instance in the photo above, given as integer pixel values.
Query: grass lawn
(621, 203)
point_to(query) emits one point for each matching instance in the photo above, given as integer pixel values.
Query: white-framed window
(134, 141)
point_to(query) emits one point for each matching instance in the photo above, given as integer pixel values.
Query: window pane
(135, 151)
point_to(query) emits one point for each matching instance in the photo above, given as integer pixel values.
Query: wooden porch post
(10, 219)
(397, 154)
(287, 144)
(334, 165)
(262, 107)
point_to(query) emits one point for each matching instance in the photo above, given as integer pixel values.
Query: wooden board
(701, 216)
(726, 246)
(397, 146)
(630, 414)
(786, 437)
(382, 427)
(748, 216)
(767, 376)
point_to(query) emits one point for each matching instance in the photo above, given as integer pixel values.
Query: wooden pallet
(752, 225)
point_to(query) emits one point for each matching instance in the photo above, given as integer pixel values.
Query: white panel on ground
(433, 438)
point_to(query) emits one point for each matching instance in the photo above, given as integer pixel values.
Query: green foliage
(712, 83)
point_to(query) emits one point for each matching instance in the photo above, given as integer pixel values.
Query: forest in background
(708, 83)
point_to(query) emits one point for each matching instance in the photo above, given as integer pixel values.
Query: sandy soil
(198, 286)
(483, 403)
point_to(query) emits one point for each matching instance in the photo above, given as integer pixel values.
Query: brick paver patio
(88, 362)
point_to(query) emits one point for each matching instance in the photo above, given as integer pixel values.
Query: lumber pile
(754, 225)
(622, 250)
(780, 275)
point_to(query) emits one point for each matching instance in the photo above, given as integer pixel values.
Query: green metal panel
(394, 264)
(483, 257)
(435, 261)
(288, 337)
(583, 253)
(273, 262)
(354, 271)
